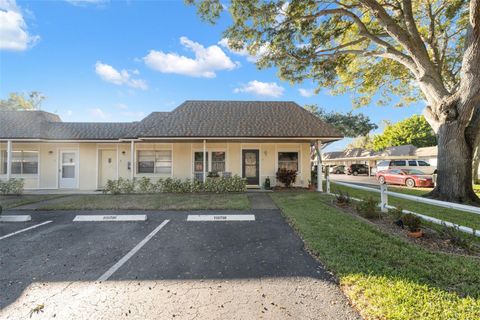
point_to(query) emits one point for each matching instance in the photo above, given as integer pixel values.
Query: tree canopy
(414, 130)
(423, 49)
(349, 124)
(21, 101)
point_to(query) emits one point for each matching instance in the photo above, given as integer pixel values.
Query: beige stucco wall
(89, 160)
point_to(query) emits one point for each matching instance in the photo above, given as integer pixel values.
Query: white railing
(438, 203)
(384, 205)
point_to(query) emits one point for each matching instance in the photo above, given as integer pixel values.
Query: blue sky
(120, 60)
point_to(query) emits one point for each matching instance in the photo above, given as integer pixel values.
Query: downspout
(132, 159)
(319, 166)
(9, 159)
(204, 160)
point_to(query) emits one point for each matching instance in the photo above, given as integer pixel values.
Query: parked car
(340, 169)
(357, 169)
(406, 164)
(408, 177)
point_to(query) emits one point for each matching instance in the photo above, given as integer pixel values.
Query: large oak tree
(422, 49)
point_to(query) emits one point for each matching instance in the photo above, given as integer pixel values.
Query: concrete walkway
(261, 201)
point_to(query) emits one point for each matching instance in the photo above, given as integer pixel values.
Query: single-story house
(251, 139)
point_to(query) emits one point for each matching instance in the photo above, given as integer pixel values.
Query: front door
(108, 166)
(68, 170)
(251, 166)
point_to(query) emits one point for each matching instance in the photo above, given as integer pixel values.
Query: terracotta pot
(415, 234)
(311, 187)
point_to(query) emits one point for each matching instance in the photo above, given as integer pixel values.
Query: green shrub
(174, 185)
(342, 198)
(213, 174)
(287, 177)
(145, 185)
(12, 186)
(412, 222)
(459, 238)
(396, 213)
(368, 208)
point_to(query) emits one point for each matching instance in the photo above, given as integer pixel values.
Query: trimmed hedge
(174, 185)
(12, 186)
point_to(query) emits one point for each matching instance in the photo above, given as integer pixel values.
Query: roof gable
(239, 119)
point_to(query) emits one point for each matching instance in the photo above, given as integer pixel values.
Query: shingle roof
(226, 119)
(89, 130)
(239, 119)
(25, 124)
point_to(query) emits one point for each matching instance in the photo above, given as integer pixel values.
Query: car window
(413, 171)
(383, 163)
(423, 164)
(396, 171)
(412, 163)
(399, 163)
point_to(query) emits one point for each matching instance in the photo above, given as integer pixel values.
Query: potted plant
(413, 224)
(311, 185)
(266, 183)
(342, 199)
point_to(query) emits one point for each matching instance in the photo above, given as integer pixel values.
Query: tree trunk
(454, 167)
(476, 163)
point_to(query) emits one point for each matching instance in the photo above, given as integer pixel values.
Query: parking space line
(219, 217)
(125, 258)
(23, 230)
(125, 217)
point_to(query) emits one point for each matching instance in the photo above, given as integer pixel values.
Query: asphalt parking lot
(61, 268)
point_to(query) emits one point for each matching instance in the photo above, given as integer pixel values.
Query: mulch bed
(431, 239)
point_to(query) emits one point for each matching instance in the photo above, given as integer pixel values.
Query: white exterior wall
(88, 173)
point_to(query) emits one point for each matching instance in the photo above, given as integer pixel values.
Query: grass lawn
(467, 219)
(383, 275)
(163, 201)
(8, 202)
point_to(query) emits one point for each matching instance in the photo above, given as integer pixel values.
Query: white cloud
(268, 89)
(206, 62)
(121, 106)
(87, 2)
(244, 52)
(99, 114)
(123, 77)
(14, 33)
(306, 92)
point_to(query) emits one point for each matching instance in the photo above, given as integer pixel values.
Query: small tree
(414, 130)
(21, 101)
(287, 177)
(349, 124)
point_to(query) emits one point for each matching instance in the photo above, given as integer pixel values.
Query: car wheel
(410, 183)
(337, 172)
(355, 173)
(381, 179)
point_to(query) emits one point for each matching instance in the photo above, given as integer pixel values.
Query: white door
(108, 166)
(68, 170)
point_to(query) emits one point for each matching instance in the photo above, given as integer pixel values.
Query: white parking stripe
(219, 217)
(125, 217)
(125, 258)
(15, 218)
(23, 230)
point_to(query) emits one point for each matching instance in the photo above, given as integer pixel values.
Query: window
(215, 161)
(288, 160)
(154, 161)
(198, 162)
(412, 163)
(399, 163)
(3, 161)
(23, 162)
(423, 164)
(218, 161)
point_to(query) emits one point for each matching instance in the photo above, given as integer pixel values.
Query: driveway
(171, 266)
(362, 180)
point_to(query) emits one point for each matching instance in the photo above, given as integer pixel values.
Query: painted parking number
(109, 217)
(219, 218)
